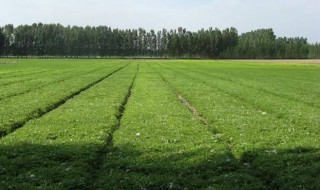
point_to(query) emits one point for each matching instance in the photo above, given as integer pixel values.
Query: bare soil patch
(305, 61)
(192, 109)
(7, 62)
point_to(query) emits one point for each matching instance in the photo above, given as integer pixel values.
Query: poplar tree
(57, 40)
(2, 41)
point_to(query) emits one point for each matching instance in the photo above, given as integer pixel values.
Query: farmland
(159, 124)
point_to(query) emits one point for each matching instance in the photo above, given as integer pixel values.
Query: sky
(291, 18)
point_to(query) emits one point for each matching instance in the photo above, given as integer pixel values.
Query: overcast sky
(287, 17)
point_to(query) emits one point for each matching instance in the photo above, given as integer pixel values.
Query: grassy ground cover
(16, 78)
(287, 81)
(281, 107)
(17, 84)
(266, 132)
(160, 124)
(15, 111)
(61, 149)
(161, 145)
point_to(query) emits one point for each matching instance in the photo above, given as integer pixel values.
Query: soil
(305, 61)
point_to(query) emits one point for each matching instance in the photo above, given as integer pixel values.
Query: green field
(159, 124)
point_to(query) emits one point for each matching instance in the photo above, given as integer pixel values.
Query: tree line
(57, 40)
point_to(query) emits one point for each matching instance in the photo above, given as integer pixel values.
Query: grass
(150, 124)
(17, 109)
(68, 140)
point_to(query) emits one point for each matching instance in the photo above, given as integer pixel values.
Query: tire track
(39, 113)
(227, 144)
(277, 116)
(183, 100)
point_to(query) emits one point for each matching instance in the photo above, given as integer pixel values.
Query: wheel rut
(183, 100)
(236, 97)
(204, 121)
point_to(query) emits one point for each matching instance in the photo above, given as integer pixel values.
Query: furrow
(16, 74)
(286, 97)
(48, 84)
(225, 142)
(97, 164)
(191, 108)
(39, 113)
(160, 145)
(242, 99)
(30, 79)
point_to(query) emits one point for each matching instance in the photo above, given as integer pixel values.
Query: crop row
(46, 77)
(269, 135)
(288, 109)
(62, 149)
(165, 125)
(291, 82)
(13, 79)
(16, 111)
(16, 74)
(37, 83)
(161, 145)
